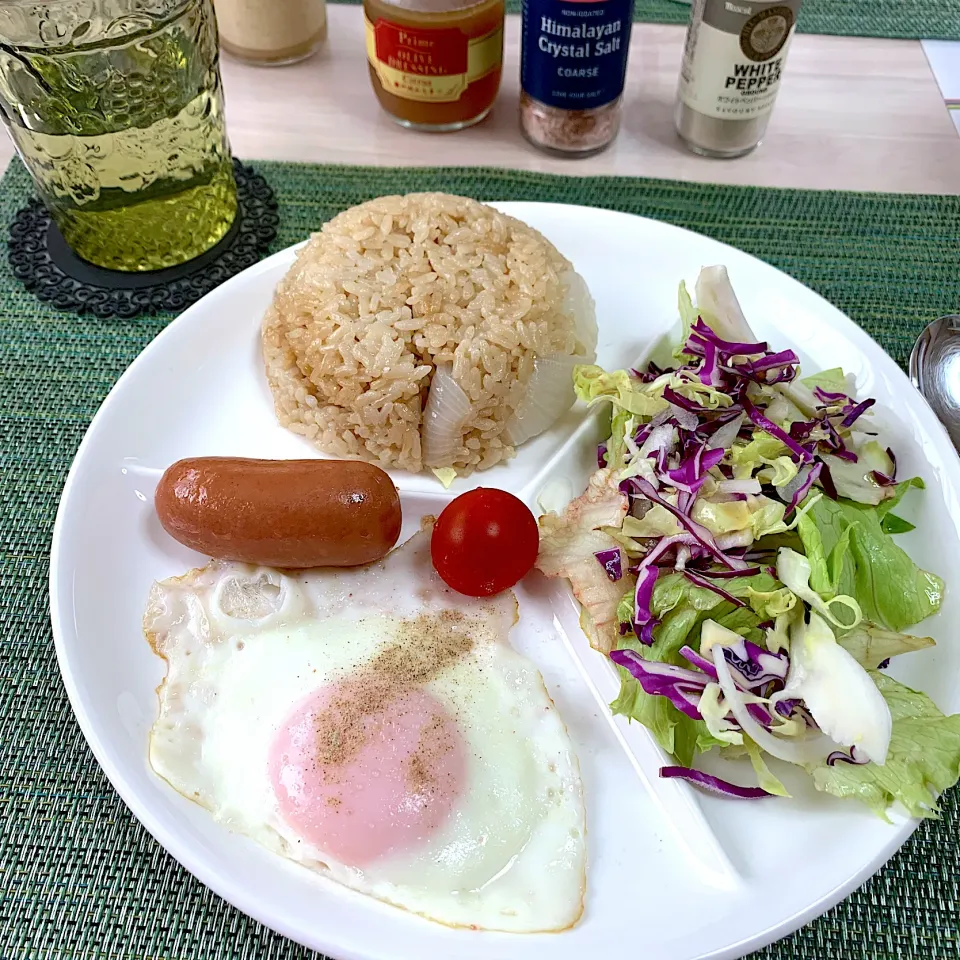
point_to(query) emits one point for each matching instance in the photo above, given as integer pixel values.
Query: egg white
(244, 646)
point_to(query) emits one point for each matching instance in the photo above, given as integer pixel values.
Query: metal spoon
(935, 371)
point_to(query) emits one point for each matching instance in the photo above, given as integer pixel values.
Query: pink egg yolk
(361, 781)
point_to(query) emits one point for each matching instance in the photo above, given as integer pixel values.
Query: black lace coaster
(46, 266)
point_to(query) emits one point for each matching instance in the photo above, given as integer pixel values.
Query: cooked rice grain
(391, 288)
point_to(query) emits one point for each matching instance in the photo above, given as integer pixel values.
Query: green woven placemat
(79, 878)
(904, 19)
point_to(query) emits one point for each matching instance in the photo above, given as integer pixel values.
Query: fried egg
(375, 727)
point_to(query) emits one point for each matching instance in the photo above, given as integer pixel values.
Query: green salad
(735, 555)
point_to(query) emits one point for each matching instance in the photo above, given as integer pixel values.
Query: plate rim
(235, 893)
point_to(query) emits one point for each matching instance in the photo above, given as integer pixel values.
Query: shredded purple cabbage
(703, 536)
(682, 687)
(707, 585)
(691, 475)
(760, 713)
(808, 481)
(768, 426)
(645, 636)
(611, 562)
(649, 375)
(801, 429)
(856, 412)
(887, 479)
(710, 370)
(840, 756)
(684, 403)
(664, 545)
(786, 707)
(755, 665)
(773, 368)
(825, 396)
(643, 595)
(727, 574)
(706, 335)
(835, 444)
(701, 663)
(713, 784)
(771, 360)
(826, 481)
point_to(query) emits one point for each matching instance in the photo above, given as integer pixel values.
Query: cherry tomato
(484, 542)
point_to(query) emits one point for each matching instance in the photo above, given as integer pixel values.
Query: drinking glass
(116, 108)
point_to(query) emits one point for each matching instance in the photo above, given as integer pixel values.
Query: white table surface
(854, 114)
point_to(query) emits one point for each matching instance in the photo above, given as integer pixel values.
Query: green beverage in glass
(116, 108)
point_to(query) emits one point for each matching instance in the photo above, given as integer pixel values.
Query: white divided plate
(676, 874)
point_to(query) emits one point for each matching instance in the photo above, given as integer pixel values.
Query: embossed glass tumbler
(116, 108)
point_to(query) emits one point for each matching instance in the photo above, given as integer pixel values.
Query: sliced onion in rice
(549, 395)
(578, 301)
(446, 413)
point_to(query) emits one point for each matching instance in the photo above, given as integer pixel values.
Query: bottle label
(418, 63)
(734, 56)
(574, 52)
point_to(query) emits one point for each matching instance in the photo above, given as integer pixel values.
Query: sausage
(280, 513)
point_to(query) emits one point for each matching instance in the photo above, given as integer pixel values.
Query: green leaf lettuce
(923, 761)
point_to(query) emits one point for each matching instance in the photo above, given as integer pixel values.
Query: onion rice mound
(426, 330)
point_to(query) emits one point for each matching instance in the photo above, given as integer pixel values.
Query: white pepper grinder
(732, 67)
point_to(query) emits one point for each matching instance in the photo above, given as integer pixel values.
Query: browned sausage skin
(280, 513)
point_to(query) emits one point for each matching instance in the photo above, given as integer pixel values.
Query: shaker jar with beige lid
(271, 32)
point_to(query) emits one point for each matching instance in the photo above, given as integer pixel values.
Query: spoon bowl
(935, 371)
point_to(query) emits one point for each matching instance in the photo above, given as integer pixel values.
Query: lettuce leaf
(765, 778)
(620, 421)
(889, 522)
(893, 592)
(854, 481)
(779, 473)
(870, 645)
(833, 380)
(825, 571)
(762, 450)
(683, 607)
(593, 383)
(758, 515)
(674, 590)
(706, 396)
(569, 543)
(923, 761)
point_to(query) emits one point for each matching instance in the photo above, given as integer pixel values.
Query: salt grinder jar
(573, 67)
